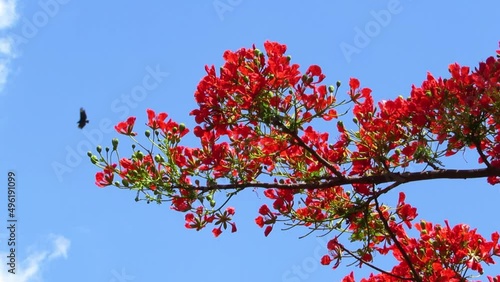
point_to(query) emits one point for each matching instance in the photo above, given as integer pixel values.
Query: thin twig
(371, 265)
(311, 151)
(396, 242)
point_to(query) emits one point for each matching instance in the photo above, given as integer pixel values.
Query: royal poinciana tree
(256, 121)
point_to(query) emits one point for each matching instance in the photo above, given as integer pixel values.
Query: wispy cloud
(8, 18)
(8, 15)
(29, 269)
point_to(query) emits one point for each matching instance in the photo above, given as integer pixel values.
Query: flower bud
(139, 155)
(99, 149)
(331, 89)
(338, 83)
(94, 159)
(422, 224)
(115, 143)
(159, 159)
(147, 133)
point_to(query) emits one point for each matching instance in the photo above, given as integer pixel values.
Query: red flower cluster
(170, 129)
(266, 217)
(200, 218)
(461, 111)
(222, 220)
(440, 254)
(252, 93)
(255, 118)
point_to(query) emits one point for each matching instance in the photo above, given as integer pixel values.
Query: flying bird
(83, 119)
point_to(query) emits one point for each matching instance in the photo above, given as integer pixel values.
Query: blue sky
(59, 55)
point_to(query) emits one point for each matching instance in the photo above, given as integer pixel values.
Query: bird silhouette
(83, 119)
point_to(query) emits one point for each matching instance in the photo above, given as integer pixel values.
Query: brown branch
(481, 154)
(404, 177)
(396, 242)
(371, 265)
(302, 144)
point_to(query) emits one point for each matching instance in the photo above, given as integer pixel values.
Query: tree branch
(371, 265)
(404, 177)
(396, 242)
(301, 143)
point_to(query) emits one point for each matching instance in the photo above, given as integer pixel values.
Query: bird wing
(83, 115)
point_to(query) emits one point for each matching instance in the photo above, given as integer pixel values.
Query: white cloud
(29, 269)
(4, 71)
(6, 54)
(8, 15)
(6, 45)
(61, 247)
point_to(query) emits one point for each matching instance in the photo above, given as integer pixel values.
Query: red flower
(353, 83)
(270, 193)
(326, 260)
(233, 227)
(190, 221)
(363, 189)
(154, 121)
(406, 212)
(268, 230)
(496, 278)
(332, 245)
(105, 178)
(126, 127)
(180, 204)
(264, 210)
(315, 70)
(217, 231)
(349, 278)
(230, 210)
(260, 221)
